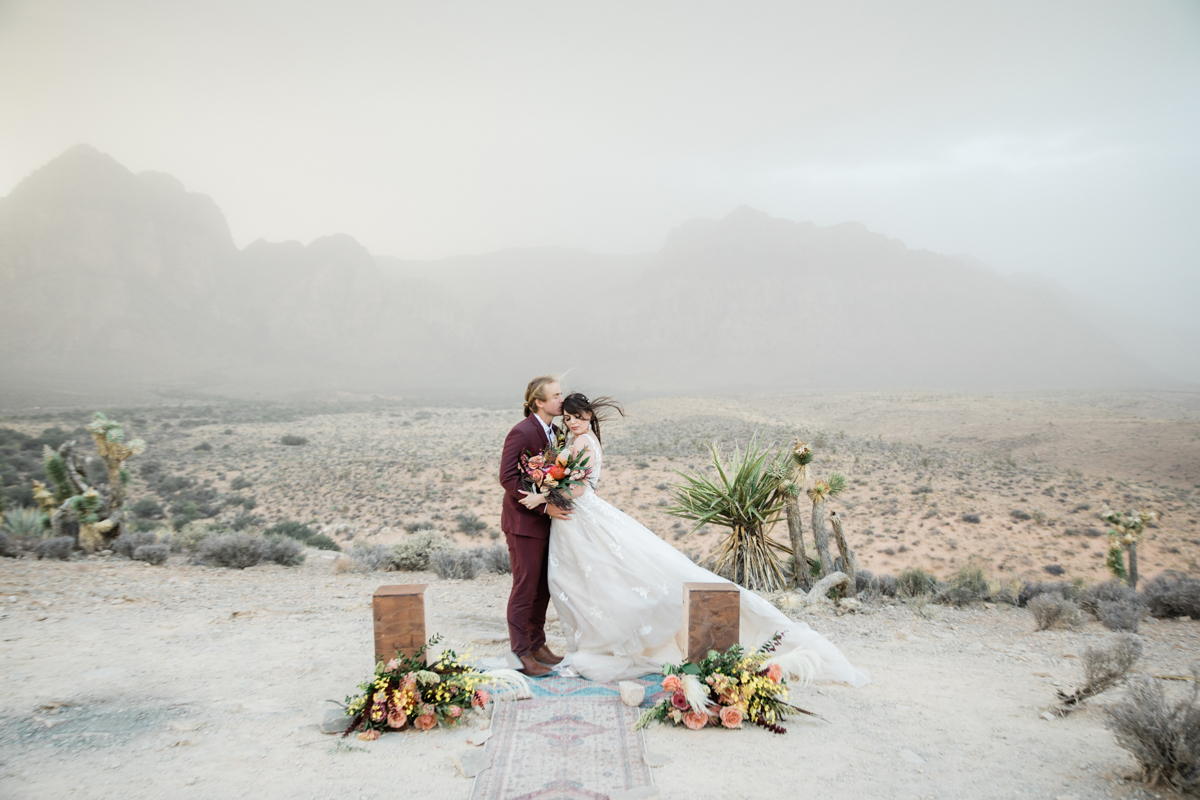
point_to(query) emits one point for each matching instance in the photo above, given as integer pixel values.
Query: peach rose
(731, 717)
(397, 718)
(369, 736)
(775, 672)
(537, 461)
(671, 683)
(391, 665)
(695, 719)
(425, 722)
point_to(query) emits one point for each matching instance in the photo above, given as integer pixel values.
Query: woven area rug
(574, 740)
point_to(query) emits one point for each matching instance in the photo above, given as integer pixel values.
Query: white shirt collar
(549, 431)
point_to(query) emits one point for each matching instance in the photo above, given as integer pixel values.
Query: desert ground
(182, 680)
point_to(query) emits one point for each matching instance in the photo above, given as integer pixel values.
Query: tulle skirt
(618, 590)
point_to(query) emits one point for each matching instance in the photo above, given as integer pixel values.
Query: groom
(528, 532)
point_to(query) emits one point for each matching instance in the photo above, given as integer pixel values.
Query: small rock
(478, 738)
(1069, 655)
(335, 721)
(911, 757)
(655, 759)
(849, 604)
(471, 763)
(1046, 715)
(1040, 674)
(632, 694)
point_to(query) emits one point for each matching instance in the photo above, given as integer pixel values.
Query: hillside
(109, 275)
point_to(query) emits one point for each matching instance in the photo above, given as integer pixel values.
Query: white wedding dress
(618, 590)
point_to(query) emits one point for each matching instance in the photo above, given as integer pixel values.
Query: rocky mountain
(108, 275)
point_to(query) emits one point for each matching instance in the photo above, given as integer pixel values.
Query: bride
(618, 588)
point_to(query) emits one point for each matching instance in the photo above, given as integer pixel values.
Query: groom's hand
(556, 512)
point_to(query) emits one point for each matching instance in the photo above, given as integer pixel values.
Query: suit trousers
(530, 593)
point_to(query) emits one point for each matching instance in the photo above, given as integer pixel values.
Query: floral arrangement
(407, 690)
(724, 690)
(553, 472)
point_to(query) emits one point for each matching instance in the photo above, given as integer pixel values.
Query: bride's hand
(532, 501)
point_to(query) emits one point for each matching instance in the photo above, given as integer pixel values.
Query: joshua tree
(849, 563)
(1127, 530)
(747, 496)
(820, 491)
(99, 512)
(802, 455)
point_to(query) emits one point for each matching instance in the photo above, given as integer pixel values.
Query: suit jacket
(516, 519)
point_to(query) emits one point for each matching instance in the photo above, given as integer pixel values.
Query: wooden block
(711, 617)
(399, 613)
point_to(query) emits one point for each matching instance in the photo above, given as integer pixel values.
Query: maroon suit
(528, 536)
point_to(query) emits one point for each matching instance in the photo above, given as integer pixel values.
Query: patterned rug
(574, 740)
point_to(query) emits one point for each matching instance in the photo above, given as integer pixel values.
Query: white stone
(911, 757)
(632, 694)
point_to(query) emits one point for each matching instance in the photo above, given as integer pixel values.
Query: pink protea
(480, 700)
(679, 700)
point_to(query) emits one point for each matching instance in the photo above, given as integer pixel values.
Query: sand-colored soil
(128, 681)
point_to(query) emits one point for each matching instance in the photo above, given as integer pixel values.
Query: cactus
(99, 512)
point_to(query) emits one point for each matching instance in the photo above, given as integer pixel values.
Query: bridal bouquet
(407, 690)
(553, 472)
(724, 690)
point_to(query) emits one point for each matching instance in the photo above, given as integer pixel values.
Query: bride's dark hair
(576, 403)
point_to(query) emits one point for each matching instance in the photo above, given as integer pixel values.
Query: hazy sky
(1061, 138)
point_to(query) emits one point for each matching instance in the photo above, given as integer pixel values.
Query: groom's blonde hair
(536, 390)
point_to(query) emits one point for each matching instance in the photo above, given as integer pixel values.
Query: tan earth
(127, 680)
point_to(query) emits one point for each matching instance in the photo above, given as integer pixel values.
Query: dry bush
(412, 555)
(457, 564)
(1070, 591)
(234, 550)
(1103, 668)
(1173, 594)
(364, 558)
(915, 582)
(969, 585)
(189, 538)
(59, 548)
(285, 551)
(127, 543)
(152, 554)
(1106, 592)
(1121, 615)
(1052, 610)
(495, 559)
(7, 548)
(1163, 736)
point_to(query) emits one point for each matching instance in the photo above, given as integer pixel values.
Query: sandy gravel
(126, 680)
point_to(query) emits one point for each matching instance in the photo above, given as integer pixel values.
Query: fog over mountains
(107, 275)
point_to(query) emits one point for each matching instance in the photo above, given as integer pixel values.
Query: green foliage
(915, 582)
(293, 441)
(1116, 562)
(86, 507)
(470, 524)
(412, 555)
(26, 523)
(302, 533)
(837, 483)
(56, 471)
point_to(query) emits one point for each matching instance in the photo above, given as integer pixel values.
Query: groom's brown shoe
(544, 655)
(533, 668)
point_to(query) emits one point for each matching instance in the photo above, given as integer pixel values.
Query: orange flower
(695, 719)
(563, 457)
(775, 672)
(425, 722)
(557, 472)
(671, 683)
(369, 736)
(731, 717)
(397, 718)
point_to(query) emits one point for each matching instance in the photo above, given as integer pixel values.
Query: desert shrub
(364, 558)
(293, 441)
(1163, 736)
(495, 559)
(470, 524)
(7, 548)
(233, 550)
(248, 503)
(970, 518)
(143, 525)
(245, 520)
(130, 541)
(1103, 668)
(1121, 615)
(412, 555)
(1056, 570)
(25, 523)
(1032, 590)
(239, 483)
(1108, 591)
(1173, 594)
(203, 447)
(302, 533)
(188, 538)
(152, 553)
(413, 527)
(914, 581)
(969, 585)
(57, 549)
(863, 579)
(459, 564)
(286, 552)
(1052, 610)
(1017, 513)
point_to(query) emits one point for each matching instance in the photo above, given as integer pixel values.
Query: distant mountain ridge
(107, 275)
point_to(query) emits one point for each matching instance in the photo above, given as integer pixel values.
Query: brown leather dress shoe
(544, 655)
(533, 668)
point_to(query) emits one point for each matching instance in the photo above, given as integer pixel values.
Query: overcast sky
(1052, 137)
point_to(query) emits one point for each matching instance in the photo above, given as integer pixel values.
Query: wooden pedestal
(399, 613)
(711, 617)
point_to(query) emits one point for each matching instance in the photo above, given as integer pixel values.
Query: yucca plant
(1127, 530)
(819, 493)
(746, 495)
(26, 523)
